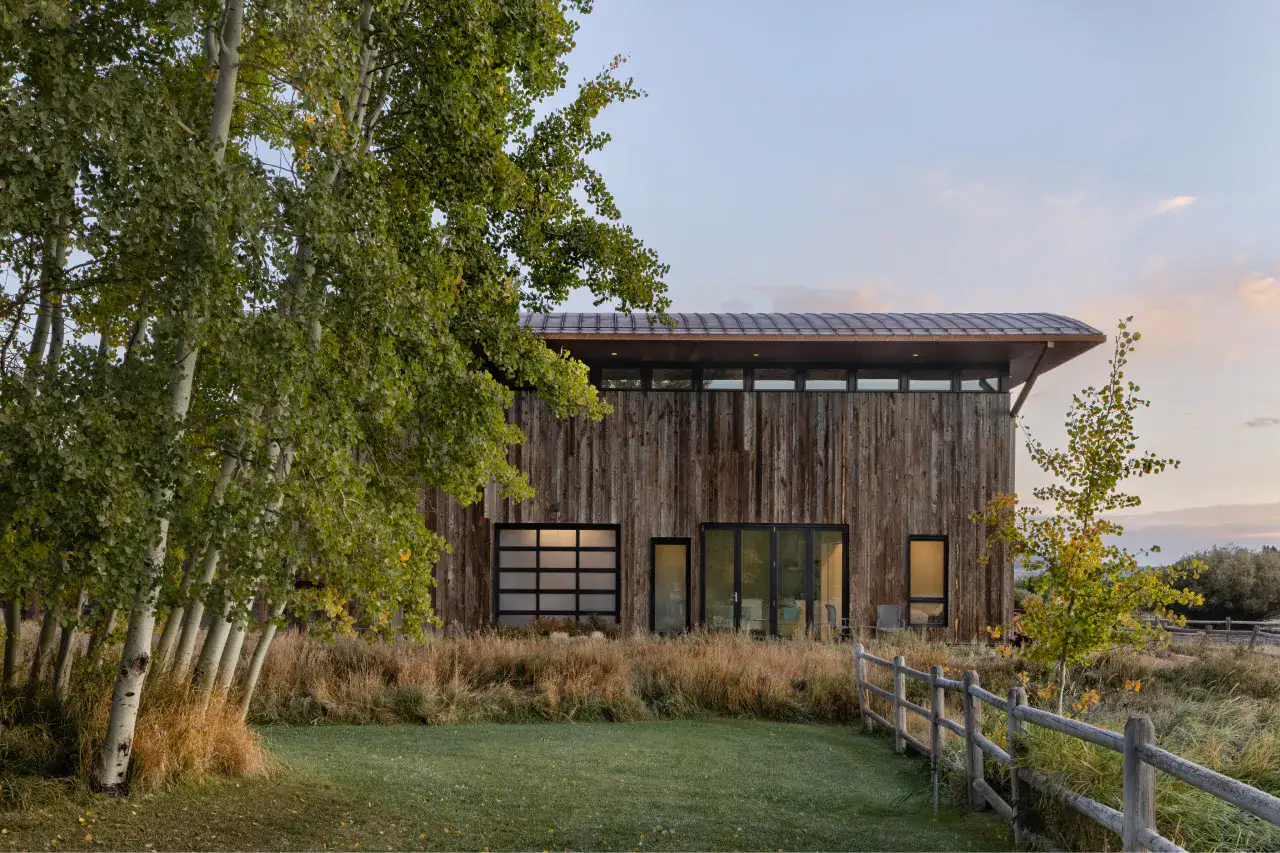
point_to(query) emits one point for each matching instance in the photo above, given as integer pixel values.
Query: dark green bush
(1237, 582)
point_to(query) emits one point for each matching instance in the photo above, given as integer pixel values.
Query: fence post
(1228, 626)
(937, 710)
(972, 752)
(860, 674)
(1139, 782)
(899, 710)
(1253, 638)
(1017, 698)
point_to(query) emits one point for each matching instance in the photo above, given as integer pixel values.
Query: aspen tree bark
(215, 640)
(44, 310)
(259, 658)
(98, 641)
(12, 639)
(44, 646)
(66, 650)
(117, 746)
(51, 262)
(211, 553)
(230, 657)
(207, 669)
(173, 619)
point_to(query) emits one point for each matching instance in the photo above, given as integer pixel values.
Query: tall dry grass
(498, 677)
(1216, 706)
(45, 747)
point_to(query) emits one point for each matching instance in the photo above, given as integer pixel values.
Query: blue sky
(1086, 158)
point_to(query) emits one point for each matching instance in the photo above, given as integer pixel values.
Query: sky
(1092, 159)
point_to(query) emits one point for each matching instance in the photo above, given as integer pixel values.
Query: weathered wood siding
(886, 464)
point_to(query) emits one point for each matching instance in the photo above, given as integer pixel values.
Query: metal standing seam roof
(811, 325)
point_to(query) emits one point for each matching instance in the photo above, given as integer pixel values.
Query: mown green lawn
(705, 785)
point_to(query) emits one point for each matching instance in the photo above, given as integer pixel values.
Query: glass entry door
(786, 580)
(669, 585)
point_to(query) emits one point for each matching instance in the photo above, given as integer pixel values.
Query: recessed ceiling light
(613, 353)
(913, 355)
(756, 354)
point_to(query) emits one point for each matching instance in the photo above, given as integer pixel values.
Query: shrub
(1237, 582)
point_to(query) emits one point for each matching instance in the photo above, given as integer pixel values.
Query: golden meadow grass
(1218, 707)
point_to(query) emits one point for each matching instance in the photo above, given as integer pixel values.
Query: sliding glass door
(786, 580)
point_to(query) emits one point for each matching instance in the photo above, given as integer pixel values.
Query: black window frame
(901, 373)
(944, 600)
(687, 542)
(537, 612)
(842, 629)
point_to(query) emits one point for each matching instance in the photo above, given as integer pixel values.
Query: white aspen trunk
(117, 745)
(230, 657)
(259, 658)
(173, 619)
(98, 641)
(215, 640)
(44, 646)
(179, 657)
(57, 335)
(44, 308)
(66, 650)
(195, 612)
(12, 640)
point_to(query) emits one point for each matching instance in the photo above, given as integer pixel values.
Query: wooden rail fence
(1135, 824)
(1253, 634)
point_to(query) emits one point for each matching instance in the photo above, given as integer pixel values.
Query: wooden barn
(773, 473)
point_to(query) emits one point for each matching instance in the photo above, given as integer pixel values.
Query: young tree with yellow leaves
(1092, 594)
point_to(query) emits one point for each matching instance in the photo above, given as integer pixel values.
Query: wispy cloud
(1260, 291)
(1177, 202)
(1262, 421)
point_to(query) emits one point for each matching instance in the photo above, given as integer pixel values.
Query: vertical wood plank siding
(887, 464)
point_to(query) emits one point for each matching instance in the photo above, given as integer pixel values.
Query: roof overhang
(658, 345)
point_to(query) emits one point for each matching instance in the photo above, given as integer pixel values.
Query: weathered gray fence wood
(915, 743)
(937, 710)
(1074, 728)
(860, 674)
(1234, 791)
(1136, 825)
(973, 752)
(990, 698)
(916, 674)
(899, 713)
(919, 710)
(1105, 815)
(993, 799)
(991, 748)
(879, 691)
(1139, 783)
(1016, 730)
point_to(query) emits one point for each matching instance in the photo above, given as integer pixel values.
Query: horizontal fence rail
(1227, 631)
(1135, 824)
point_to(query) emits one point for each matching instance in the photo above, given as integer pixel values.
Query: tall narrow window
(927, 580)
(669, 585)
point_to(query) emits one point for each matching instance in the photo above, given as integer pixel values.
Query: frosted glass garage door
(556, 572)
